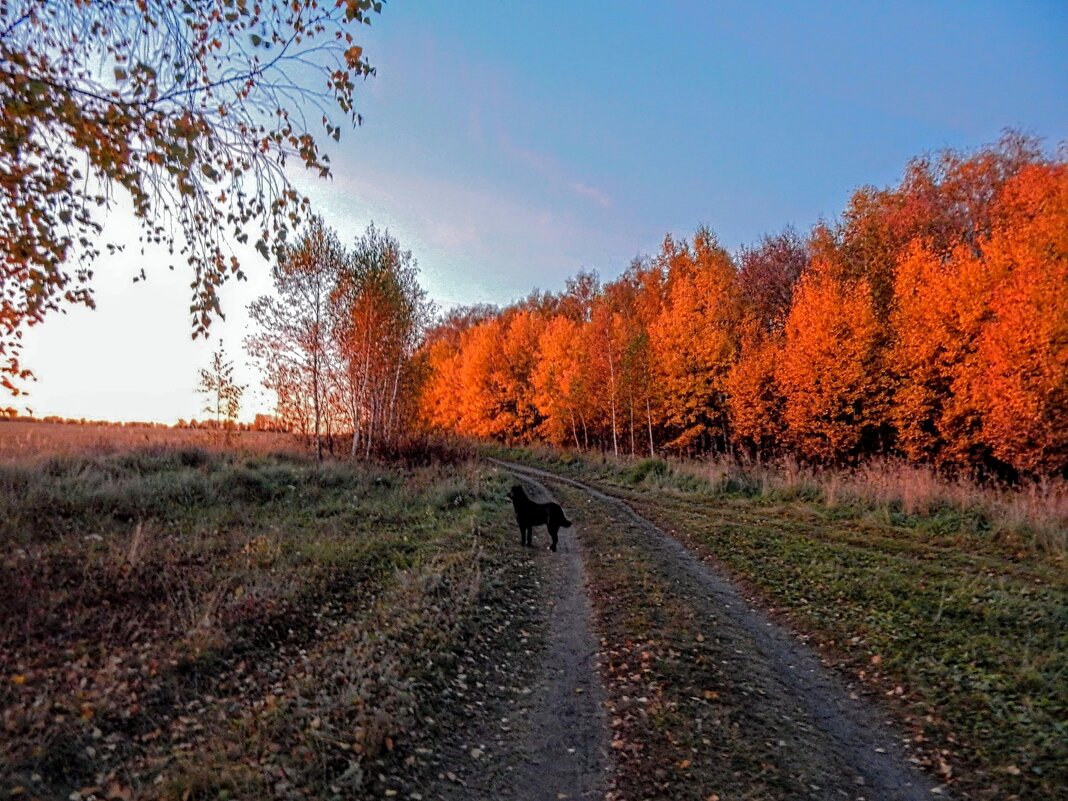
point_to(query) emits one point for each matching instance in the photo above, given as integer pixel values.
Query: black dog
(529, 514)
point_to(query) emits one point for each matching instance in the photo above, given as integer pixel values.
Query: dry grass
(1032, 517)
(181, 623)
(1029, 518)
(20, 440)
(1038, 507)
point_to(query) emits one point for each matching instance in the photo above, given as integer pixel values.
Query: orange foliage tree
(756, 401)
(941, 305)
(829, 371)
(767, 277)
(1019, 376)
(950, 328)
(560, 383)
(496, 377)
(336, 339)
(443, 353)
(693, 339)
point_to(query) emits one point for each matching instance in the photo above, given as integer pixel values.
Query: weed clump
(253, 486)
(647, 468)
(452, 494)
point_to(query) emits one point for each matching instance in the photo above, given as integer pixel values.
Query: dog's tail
(564, 522)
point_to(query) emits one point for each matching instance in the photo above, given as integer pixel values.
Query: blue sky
(589, 130)
(511, 144)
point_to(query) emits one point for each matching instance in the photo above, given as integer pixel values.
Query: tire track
(562, 749)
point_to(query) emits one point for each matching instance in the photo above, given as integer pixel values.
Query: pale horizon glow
(512, 145)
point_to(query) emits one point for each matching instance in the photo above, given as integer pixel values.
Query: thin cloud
(473, 242)
(594, 194)
(551, 170)
(451, 235)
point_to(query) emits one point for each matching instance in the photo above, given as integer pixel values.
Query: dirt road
(564, 751)
(811, 734)
(523, 717)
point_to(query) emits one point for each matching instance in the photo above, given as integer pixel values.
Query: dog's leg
(552, 533)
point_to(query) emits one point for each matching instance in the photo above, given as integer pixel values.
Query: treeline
(930, 320)
(336, 339)
(262, 422)
(54, 419)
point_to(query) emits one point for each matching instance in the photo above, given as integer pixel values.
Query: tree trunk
(393, 400)
(354, 410)
(612, 379)
(315, 402)
(630, 404)
(370, 427)
(649, 419)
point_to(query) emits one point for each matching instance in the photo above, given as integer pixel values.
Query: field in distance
(21, 439)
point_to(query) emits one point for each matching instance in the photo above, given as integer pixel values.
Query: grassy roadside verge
(182, 624)
(964, 639)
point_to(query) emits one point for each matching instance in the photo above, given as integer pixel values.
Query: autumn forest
(929, 321)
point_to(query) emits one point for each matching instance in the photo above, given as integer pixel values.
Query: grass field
(182, 623)
(960, 628)
(24, 441)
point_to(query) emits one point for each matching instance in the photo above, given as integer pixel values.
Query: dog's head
(516, 492)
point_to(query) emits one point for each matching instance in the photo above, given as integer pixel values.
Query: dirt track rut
(833, 743)
(566, 736)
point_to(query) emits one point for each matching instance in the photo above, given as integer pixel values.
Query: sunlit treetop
(193, 109)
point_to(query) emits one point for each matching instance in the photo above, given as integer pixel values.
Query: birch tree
(222, 394)
(293, 343)
(378, 312)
